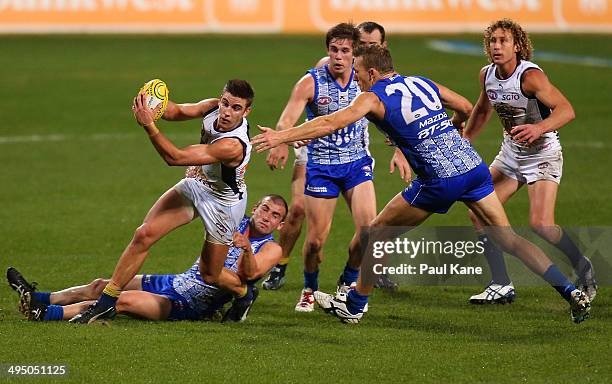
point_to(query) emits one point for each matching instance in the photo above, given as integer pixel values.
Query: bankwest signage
(298, 16)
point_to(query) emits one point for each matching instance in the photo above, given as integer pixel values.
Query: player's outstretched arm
(480, 114)
(461, 106)
(535, 83)
(319, 127)
(188, 111)
(302, 92)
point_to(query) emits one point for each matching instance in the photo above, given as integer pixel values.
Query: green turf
(71, 201)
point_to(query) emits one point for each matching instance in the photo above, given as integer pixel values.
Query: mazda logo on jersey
(324, 100)
(492, 94)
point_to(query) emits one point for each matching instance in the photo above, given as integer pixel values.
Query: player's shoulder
(271, 246)
(531, 73)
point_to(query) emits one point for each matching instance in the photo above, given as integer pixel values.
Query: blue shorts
(162, 285)
(438, 195)
(330, 180)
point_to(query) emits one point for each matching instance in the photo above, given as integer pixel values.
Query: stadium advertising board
(286, 16)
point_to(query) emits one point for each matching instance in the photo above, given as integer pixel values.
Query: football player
(448, 170)
(531, 110)
(183, 296)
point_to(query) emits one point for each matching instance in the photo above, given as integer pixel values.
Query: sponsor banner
(306, 16)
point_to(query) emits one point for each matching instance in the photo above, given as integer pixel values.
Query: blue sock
(569, 248)
(248, 296)
(495, 258)
(559, 282)
(311, 280)
(43, 297)
(355, 302)
(107, 301)
(349, 275)
(54, 313)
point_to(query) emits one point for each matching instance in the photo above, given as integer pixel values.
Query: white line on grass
(467, 48)
(123, 136)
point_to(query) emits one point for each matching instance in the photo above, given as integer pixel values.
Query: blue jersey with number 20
(417, 123)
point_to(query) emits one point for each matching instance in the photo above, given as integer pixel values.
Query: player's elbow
(571, 114)
(466, 108)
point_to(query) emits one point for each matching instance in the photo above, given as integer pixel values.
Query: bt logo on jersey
(492, 94)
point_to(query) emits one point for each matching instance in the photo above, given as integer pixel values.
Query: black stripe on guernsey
(544, 110)
(216, 107)
(202, 131)
(228, 174)
(521, 82)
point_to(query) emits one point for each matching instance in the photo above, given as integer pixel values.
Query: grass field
(78, 176)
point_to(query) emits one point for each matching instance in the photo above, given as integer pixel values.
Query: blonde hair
(521, 38)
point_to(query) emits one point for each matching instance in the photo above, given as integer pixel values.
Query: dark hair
(370, 26)
(342, 31)
(277, 199)
(520, 37)
(241, 89)
(375, 56)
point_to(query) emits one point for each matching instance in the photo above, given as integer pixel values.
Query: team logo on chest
(324, 100)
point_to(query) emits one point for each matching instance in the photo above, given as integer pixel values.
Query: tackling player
(410, 110)
(369, 33)
(531, 111)
(184, 296)
(214, 188)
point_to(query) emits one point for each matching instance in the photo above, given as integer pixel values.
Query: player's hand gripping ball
(157, 95)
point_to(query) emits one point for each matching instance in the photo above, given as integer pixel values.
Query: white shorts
(219, 220)
(530, 168)
(301, 155)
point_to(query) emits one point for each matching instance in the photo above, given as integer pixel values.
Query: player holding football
(183, 296)
(410, 110)
(531, 111)
(214, 188)
(369, 33)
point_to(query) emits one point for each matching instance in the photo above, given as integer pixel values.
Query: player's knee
(297, 212)
(544, 228)
(210, 279)
(313, 246)
(124, 303)
(143, 236)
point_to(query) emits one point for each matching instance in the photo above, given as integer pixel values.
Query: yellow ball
(157, 94)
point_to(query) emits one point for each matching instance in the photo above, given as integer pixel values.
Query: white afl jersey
(223, 182)
(515, 108)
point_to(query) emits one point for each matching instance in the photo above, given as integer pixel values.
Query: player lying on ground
(214, 188)
(410, 110)
(184, 296)
(531, 110)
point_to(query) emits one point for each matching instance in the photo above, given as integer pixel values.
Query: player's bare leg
(89, 291)
(291, 229)
(542, 200)
(500, 289)
(491, 213)
(144, 304)
(169, 212)
(319, 216)
(211, 261)
(361, 201)
(395, 217)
